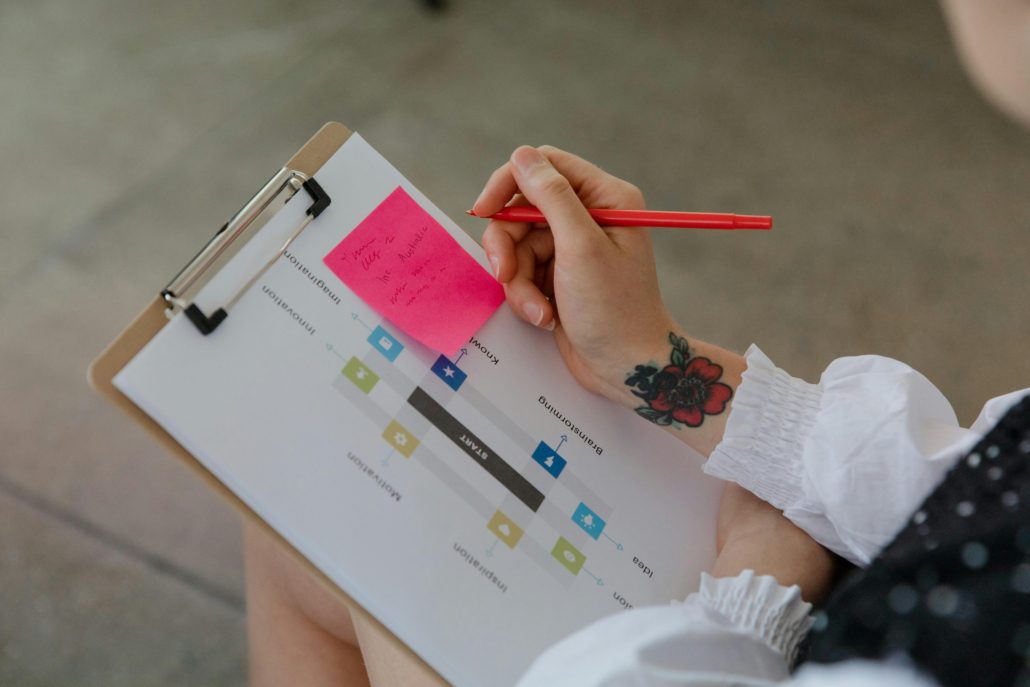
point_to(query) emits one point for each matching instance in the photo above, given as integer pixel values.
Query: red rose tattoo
(683, 392)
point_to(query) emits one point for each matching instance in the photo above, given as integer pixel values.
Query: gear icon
(400, 439)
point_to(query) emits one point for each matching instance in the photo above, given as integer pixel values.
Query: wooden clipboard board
(308, 160)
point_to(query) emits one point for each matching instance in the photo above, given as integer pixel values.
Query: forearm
(792, 557)
(694, 406)
(752, 535)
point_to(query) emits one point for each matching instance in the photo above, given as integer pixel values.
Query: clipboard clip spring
(286, 182)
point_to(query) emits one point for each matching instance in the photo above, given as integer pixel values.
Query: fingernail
(526, 157)
(534, 313)
(550, 325)
(496, 264)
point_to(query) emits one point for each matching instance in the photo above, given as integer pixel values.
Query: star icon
(448, 371)
(400, 439)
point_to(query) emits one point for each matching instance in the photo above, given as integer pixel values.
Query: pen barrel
(684, 220)
(648, 218)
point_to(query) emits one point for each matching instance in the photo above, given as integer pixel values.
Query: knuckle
(634, 195)
(490, 237)
(550, 182)
(490, 233)
(628, 196)
(549, 150)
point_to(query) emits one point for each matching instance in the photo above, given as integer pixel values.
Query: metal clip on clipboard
(283, 185)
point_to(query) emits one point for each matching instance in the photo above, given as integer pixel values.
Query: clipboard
(298, 175)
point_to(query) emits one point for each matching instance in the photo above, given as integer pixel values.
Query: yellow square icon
(505, 529)
(400, 438)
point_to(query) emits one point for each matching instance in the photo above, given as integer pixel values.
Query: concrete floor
(131, 129)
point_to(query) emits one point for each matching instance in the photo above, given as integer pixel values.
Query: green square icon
(358, 372)
(568, 555)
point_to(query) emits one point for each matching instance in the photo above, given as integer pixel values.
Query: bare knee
(273, 570)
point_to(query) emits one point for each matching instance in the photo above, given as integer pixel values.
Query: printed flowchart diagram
(526, 488)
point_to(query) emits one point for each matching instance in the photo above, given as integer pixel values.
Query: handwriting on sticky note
(405, 265)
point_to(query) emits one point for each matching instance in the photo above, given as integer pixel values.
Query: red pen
(644, 218)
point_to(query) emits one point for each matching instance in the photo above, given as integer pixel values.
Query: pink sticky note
(411, 271)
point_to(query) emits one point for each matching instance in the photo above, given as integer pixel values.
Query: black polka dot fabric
(952, 591)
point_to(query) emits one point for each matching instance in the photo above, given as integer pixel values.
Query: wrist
(681, 384)
(649, 348)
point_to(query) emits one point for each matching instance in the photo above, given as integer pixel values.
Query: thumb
(546, 188)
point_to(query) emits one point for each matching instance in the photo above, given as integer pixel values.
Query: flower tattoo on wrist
(683, 392)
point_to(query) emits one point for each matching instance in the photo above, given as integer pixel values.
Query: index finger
(500, 188)
(595, 187)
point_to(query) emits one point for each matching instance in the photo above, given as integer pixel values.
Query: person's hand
(597, 289)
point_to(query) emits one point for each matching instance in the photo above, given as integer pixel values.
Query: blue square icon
(549, 459)
(448, 372)
(384, 342)
(588, 520)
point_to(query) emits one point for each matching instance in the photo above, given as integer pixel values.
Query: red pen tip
(471, 213)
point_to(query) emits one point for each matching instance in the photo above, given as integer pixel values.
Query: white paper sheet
(274, 403)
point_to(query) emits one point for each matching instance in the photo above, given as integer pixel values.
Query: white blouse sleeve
(741, 630)
(859, 673)
(734, 630)
(847, 459)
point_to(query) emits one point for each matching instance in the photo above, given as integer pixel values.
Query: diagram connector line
(564, 438)
(490, 551)
(354, 316)
(600, 582)
(617, 544)
(329, 347)
(464, 352)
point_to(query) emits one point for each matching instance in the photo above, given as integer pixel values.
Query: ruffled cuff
(777, 614)
(771, 416)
